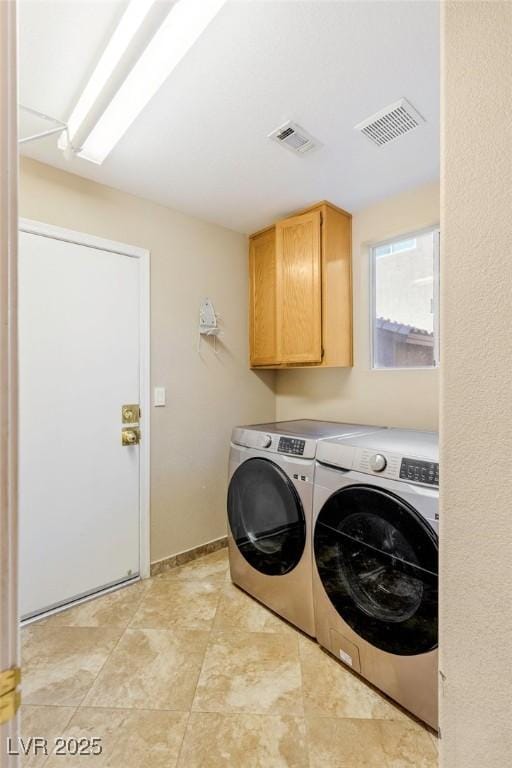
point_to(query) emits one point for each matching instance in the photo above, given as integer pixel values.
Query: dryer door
(377, 560)
(266, 517)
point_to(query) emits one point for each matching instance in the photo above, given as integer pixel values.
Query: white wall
(394, 398)
(476, 381)
(207, 394)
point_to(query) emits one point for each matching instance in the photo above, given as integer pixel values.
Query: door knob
(130, 436)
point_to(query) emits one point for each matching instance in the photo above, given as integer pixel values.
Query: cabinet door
(299, 289)
(262, 299)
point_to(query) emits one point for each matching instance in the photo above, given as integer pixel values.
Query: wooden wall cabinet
(301, 291)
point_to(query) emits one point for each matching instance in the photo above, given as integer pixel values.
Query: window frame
(435, 230)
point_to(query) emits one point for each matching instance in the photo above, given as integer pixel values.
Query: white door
(79, 364)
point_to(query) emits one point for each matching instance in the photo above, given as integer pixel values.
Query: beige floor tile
(213, 740)
(178, 604)
(335, 743)
(60, 664)
(151, 669)
(408, 745)
(249, 682)
(250, 672)
(115, 609)
(239, 611)
(43, 722)
(209, 568)
(332, 690)
(435, 741)
(358, 743)
(129, 738)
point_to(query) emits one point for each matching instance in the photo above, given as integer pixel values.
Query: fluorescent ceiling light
(118, 44)
(179, 31)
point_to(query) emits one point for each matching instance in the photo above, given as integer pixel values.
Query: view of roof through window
(404, 302)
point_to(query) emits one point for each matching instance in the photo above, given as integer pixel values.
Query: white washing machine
(270, 504)
(375, 553)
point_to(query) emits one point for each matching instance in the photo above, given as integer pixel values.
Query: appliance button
(266, 441)
(378, 462)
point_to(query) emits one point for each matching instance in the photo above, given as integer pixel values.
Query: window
(405, 313)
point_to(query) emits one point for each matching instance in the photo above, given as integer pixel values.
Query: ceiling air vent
(390, 123)
(294, 138)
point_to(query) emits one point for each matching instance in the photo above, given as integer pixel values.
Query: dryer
(375, 569)
(270, 504)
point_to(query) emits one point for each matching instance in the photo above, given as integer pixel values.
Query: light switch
(159, 397)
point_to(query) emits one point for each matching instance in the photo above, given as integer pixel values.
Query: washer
(270, 504)
(375, 552)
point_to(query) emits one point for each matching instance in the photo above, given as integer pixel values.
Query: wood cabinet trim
(308, 209)
(320, 204)
(337, 290)
(261, 232)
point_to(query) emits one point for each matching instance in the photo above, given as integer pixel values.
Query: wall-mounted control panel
(424, 472)
(291, 445)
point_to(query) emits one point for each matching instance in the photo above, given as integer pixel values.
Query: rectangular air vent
(390, 123)
(294, 138)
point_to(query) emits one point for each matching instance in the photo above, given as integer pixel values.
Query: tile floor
(186, 670)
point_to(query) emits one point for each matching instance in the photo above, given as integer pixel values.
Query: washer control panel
(370, 463)
(417, 471)
(291, 445)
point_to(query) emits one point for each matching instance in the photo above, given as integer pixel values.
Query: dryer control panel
(291, 445)
(424, 472)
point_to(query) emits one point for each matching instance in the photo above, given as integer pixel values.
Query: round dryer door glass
(377, 560)
(266, 517)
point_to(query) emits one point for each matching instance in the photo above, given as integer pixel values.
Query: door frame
(112, 246)
(9, 635)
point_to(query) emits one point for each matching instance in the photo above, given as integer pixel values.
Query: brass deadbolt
(130, 413)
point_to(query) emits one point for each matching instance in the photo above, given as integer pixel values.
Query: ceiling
(201, 144)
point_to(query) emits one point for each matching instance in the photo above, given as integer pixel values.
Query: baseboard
(174, 561)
